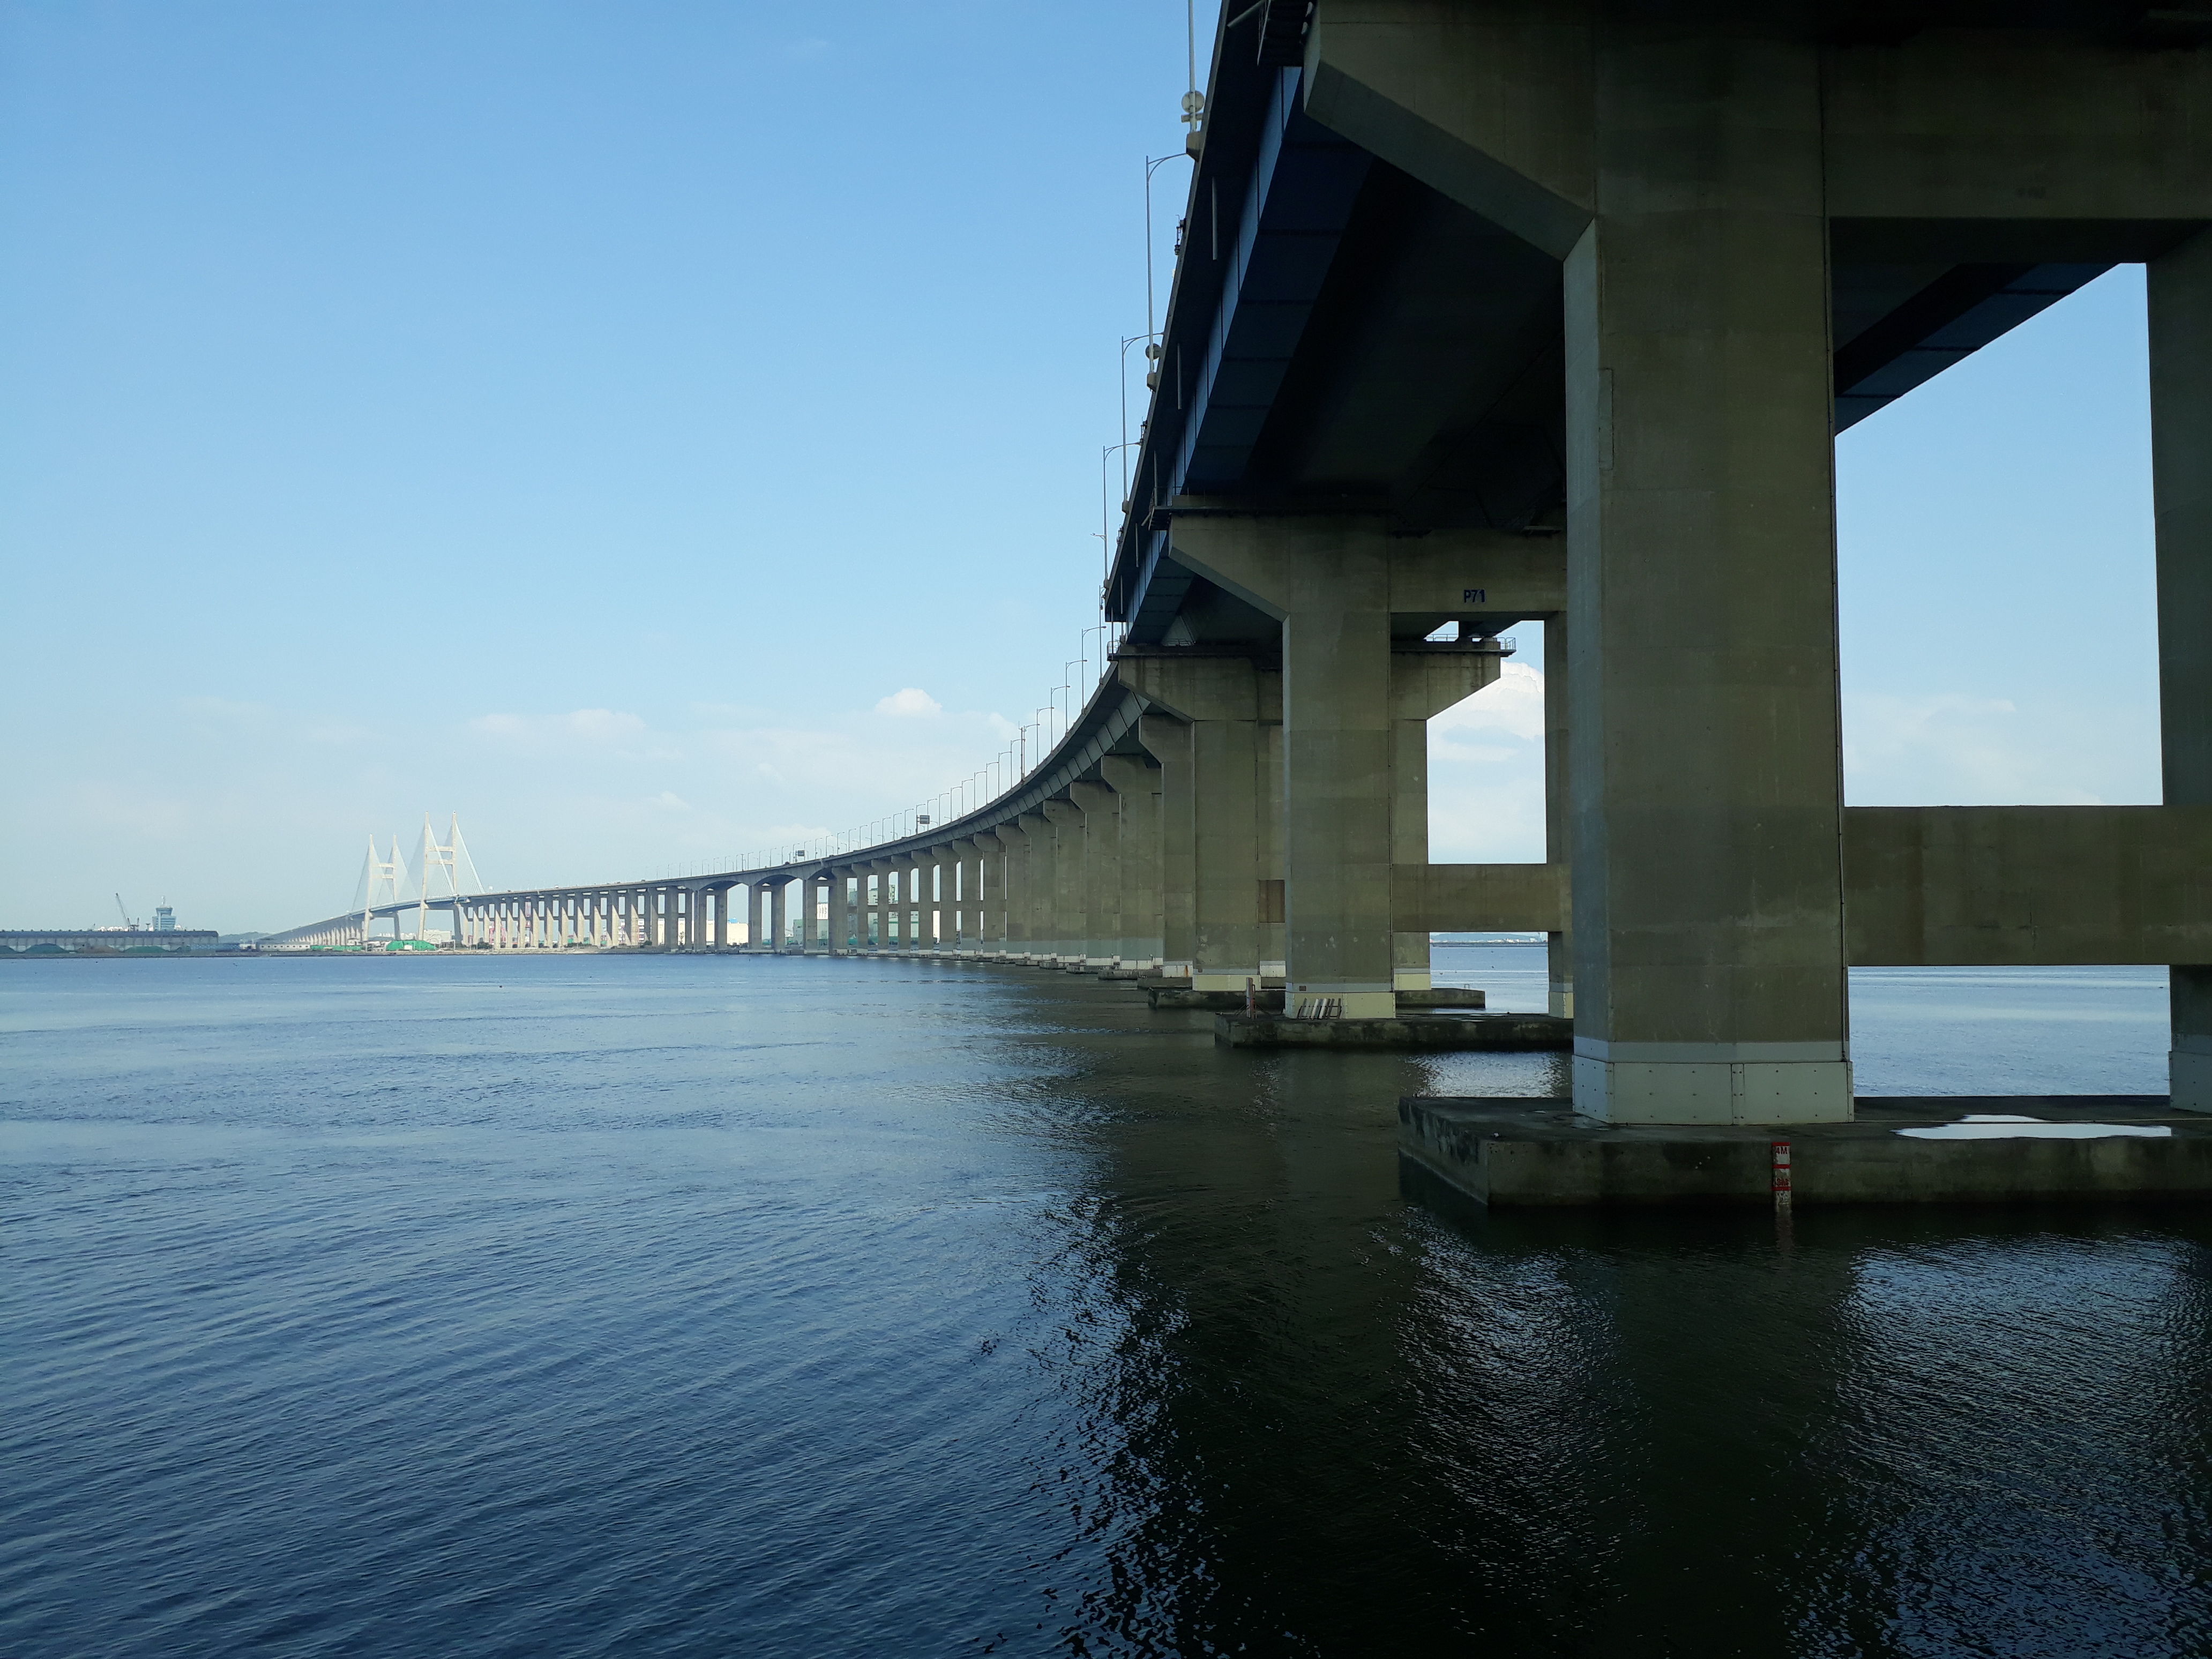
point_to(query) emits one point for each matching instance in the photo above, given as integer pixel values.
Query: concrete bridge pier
(946, 940)
(1707, 765)
(1013, 937)
(937, 881)
(1102, 873)
(1136, 903)
(1038, 850)
(925, 904)
(1558, 815)
(1425, 679)
(777, 921)
(1167, 739)
(1210, 782)
(2181, 290)
(967, 920)
(992, 851)
(1070, 925)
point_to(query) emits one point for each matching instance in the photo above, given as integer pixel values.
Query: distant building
(165, 919)
(169, 940)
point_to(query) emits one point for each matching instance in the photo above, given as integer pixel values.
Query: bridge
(1489, 312)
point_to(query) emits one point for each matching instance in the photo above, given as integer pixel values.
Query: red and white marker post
(1781, 1149)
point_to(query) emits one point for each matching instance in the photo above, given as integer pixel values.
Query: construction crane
(129, 926)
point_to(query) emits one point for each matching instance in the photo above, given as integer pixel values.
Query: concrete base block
(1404, 1031)
(1175, 993)
(1539, 1154)
(1670, 1092)
(1439, 996)
(2190, 1072)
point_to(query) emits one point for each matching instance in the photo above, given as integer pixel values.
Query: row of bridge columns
(1174, 856)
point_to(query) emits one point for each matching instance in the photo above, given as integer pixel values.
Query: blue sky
(656, 430)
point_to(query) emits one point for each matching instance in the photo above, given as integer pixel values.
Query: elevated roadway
(1497, 310)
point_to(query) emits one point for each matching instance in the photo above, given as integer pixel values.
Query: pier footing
(2081, 1148)
(1271, 1001)
(1404, 1031)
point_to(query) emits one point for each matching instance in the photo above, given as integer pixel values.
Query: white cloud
(912, 701)
(1951, 750)
(1486, 774)
(594, 729)
(1512, 704)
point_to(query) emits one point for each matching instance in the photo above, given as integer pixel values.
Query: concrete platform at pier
(1405, 1032)
(1539, 1154)
(1270, 1001)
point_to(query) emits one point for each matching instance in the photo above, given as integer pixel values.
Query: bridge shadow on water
(1358, 1417)
(1327, 1407)
(652, 1305)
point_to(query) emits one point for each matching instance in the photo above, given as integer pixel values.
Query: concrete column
(1169, 741)
(1102, 874)
(779, 901)
(949, 861)
(1274, 934)
(1014, 936)
(977, 885)
(1136, 785)
(1337, 785)
(939, 881)
(982, 900)
(1070, 925)
(1410, 966)
(1220, 699)
(1709, 944)
(840, 921)
(1225, 758)
(1559, 813)
(2180, 286)
(959, 896)
(1424, 681)
(1039, 890)
(990, 895)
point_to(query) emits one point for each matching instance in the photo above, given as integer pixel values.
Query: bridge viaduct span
(1489, 311)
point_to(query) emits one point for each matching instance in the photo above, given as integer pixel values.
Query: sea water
(656, 1305)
